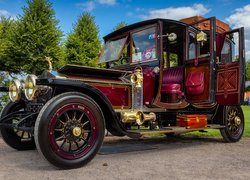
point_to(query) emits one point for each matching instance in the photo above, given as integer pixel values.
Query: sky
(108, 13)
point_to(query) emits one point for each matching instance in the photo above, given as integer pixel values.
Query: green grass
(246, 110)
(216, 133)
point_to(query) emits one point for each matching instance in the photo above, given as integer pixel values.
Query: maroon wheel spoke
(60, 138)
(64, 141)
(74, 116)
(22, 135)
(84, 139)
(59, 129)
(59, 120)
(84, 124)
(80, 118)
(77, 145)
(67, 116)
(87, 131)
(69, 150)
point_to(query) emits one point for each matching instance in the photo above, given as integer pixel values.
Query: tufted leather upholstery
(172, 80)
(173, 75)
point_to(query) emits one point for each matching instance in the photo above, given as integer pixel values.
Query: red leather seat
(172, 80)
(171, 88)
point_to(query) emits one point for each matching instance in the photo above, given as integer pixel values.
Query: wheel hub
(237, 121)
(72, 131)
(77, 131)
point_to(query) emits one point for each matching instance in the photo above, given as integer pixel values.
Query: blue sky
(110, 12)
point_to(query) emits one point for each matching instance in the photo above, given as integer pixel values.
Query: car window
(144, 45)
(112, 49)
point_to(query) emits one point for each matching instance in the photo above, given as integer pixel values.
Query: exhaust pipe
(138, 117)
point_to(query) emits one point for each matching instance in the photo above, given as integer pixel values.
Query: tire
(234, 122)
(19, 140)
(69, 130)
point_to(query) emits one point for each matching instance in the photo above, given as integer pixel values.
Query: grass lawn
(214, 132)
(246, 110)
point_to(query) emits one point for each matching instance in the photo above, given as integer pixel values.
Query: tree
(120, 25)
(35, 38)
(83, 44)
(248, 70)
(6, 29)
(3, 95)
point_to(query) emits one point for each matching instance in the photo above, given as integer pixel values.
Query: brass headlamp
(137, 78)
(30, 87)
(15, 89)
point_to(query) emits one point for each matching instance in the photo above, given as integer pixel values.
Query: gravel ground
(148, 158)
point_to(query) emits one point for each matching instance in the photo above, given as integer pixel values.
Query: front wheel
(19, 140)
(69, 130)
(234, 123)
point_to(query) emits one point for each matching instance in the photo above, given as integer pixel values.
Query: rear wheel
(16, 139)
(234, 122)
(69, 130)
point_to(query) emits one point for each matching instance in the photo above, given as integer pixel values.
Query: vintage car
(161, 76)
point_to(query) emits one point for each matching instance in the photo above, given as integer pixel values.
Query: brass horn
(138, 117)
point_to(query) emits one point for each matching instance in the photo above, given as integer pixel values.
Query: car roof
(138, 25)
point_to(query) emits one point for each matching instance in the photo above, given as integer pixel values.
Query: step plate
(174, 129)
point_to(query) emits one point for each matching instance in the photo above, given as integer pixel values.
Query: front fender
(113, 124)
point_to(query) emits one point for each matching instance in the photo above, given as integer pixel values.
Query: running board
(174, 129)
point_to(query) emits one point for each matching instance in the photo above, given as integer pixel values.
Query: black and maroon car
(161, 76)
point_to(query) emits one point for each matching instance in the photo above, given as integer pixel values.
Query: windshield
(113, 49)
(144, 45)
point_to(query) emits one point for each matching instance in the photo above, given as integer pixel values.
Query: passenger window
(173, 59)
(173, 47)
(192, 46)
(225, 53)
(230, 50)
(205, 48)
(235, 46)
(144, 45)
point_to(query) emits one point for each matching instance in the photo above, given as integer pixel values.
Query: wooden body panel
(227, 89)
(119, 96)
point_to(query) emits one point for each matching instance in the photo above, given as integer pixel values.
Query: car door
(200, 63)
(230, 81)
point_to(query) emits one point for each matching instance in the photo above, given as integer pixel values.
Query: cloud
(107, 2)
(241, 18)
(88, 6)
(4, 13)
(177, 12)
(91, 5)
(7, 14)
